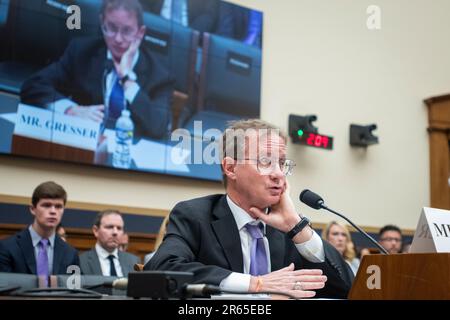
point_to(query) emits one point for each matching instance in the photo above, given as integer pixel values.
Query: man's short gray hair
(237, 133)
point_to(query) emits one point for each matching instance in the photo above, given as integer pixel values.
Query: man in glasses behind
(252, 239)
(97, 78)
(391, 239)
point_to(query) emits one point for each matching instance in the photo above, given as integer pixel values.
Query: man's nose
(276, 172)
(118, 36)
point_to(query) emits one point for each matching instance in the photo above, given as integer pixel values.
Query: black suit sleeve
(75, 258)
(48, 85)
(151, 109)
(5, 258)
(178, 251)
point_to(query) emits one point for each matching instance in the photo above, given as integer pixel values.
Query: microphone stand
(383, 250)
(109, 65)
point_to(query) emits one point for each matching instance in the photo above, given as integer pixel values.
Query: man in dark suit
(200, 15)
(97, 78)
(38, 249)
(105, 259)
(252, 239)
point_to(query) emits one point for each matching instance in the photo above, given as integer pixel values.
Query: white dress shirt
(311, 250)
(104, 261)
(130, 93)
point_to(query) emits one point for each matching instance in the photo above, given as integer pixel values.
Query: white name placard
(433, 231)
(45, 125)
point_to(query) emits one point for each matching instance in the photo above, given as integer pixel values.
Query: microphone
(109, 65)
(311, 199)
(120, 284)
(201, 289)
(315, 201)
(189, 289)
(193, 290)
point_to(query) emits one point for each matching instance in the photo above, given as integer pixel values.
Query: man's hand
(126, 62)
(282, 216)
(298, 283)
(94, 112)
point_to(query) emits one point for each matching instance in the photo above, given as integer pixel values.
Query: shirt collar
(103, 254)
(35, 237)
(135, 59)
(241, 216)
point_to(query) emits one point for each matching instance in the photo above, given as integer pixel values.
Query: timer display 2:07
(317, 141)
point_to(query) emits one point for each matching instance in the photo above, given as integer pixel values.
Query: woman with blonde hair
(339, 237)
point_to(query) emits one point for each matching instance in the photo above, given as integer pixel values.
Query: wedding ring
(298, 286)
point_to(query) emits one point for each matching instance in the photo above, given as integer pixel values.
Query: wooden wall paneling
(439, 132)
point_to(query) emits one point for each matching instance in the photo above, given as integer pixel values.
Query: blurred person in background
(105, 258)
(159, 238)
(38, 249)
(124, 240)
(339, 237)
(391, 238)
(61, 232)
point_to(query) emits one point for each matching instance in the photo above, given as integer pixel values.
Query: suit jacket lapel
(227, 234)
(96, 70)
(94, 263)
(26, 246)
(143, 67)
(123, 263)
(58, 252)
(276, 247)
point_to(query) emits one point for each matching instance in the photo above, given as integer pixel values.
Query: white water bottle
(124, 139)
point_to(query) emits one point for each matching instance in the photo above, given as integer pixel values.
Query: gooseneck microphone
(315, 201)
(192, 290)
(109, 66)
(188, 289)
(201, 290)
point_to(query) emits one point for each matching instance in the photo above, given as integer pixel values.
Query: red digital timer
(316, 140)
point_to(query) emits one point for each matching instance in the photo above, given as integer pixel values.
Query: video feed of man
(143, 85)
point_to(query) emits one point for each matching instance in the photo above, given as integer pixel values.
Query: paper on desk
(11, 117)
(149, 155)
(152, 155)
(177, 159)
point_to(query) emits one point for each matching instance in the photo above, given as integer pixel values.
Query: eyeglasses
(266, 165)
(391, 239)
(110, 30)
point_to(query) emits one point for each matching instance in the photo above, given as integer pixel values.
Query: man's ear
(141, 32)
(32, 208)
(229, 167)
(95, 230)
